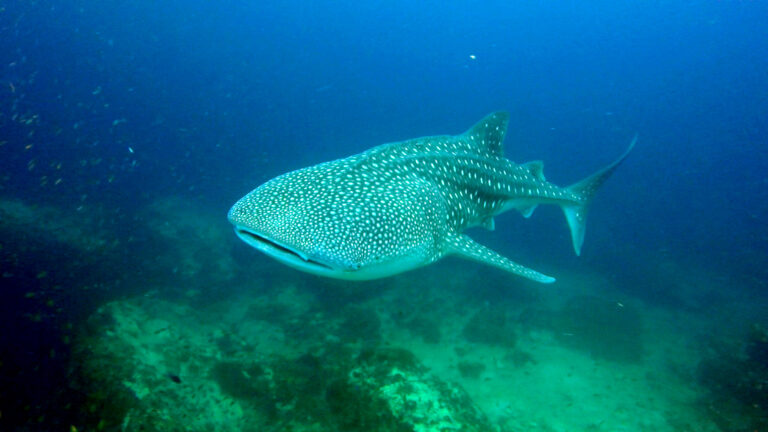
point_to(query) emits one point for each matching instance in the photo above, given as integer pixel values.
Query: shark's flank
(404, 205)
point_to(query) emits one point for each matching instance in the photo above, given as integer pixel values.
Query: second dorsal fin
(536, 168)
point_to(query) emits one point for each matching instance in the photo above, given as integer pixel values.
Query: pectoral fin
(470, 249)
(489, 224)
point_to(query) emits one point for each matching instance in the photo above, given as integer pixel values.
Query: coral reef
(427, 328)
(471, 370)
(153, 365)
(604, 328)
(83, 231)
(738, 385)
(757, 346)
(360, 325)
(420, 312)
(203, 257)
(490, 326)
(418, 400)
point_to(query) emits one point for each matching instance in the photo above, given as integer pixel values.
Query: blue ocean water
(107, 107)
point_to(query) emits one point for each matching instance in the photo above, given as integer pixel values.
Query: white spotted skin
(397, 206)
(357, 223)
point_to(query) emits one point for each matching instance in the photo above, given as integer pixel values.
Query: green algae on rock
(147, 342)
(490, 326)
(604, 328)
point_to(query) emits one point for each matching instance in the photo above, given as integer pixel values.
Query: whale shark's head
(331, 221)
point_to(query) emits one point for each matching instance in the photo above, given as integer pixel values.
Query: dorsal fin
(536, 168)
(487, 135)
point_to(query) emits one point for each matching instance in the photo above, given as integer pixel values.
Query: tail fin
(576, 213)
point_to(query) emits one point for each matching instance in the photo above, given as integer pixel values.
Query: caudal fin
(576, 213)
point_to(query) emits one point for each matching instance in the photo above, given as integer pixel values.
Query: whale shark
(406, 204)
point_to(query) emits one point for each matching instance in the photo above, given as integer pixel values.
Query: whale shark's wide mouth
(277, 249)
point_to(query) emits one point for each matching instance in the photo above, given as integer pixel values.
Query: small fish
(406, 204)
(175, 378)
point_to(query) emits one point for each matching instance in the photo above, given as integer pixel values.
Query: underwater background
(129, 128)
